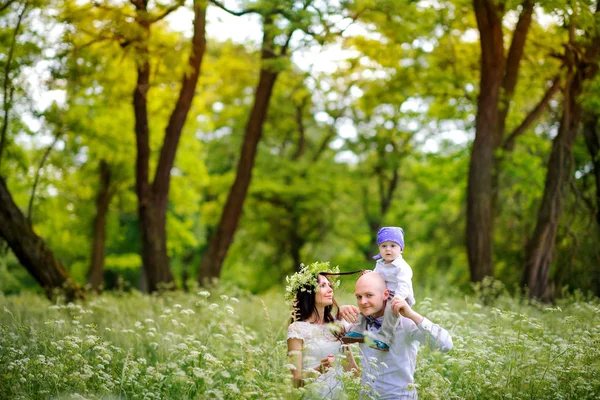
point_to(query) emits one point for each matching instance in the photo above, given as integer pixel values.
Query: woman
(313, 348)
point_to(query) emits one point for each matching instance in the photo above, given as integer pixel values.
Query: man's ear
(386, 294)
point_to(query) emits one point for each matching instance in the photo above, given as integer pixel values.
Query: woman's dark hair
(306, 304)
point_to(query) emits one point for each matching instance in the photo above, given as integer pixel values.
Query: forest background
(149, 144)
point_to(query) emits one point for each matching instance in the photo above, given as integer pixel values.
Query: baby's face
(389, 251)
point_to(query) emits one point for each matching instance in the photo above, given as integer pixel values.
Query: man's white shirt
(391, 374)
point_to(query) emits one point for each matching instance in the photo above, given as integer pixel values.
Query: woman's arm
(295, 355)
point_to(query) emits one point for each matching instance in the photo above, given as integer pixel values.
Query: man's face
(389, 251)
(370, 296)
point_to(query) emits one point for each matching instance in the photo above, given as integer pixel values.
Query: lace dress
(318, 343)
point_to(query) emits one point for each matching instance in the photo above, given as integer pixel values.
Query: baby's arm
(404, 279)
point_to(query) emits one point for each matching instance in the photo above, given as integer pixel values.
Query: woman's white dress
(318, 343)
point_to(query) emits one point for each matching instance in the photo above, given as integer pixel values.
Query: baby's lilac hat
(390, 234)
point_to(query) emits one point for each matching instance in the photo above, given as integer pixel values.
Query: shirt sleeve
(295, 332)
(436, 337)
(404, 279)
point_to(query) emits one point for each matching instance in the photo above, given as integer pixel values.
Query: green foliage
(400, 106)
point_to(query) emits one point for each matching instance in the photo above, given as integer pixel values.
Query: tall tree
(132, 29)
(582, 66)
(153, 198)
(591, 134)
(274, 56)
(16, 228)
(105, 193)
(32, 251)
(499, 75)
(299, 192)
(214, 256)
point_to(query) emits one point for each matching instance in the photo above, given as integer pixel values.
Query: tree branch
(8, 92)
(332, 131)
(534, 114)
(167, 11)
(390, 193)
(250, 10)
(4, 6)
(301, 131)
(57, 136)
(513, 60)
(179, 115)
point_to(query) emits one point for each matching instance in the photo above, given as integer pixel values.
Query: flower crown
(306, 278)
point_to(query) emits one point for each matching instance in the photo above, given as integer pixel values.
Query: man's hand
(349, 313)
(400, 306)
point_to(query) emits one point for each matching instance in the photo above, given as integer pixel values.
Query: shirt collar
(396, 261)
(374, 322)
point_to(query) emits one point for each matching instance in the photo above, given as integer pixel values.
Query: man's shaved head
(373, 281)
(371, 293)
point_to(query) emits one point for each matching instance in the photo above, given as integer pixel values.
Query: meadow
(225, 343)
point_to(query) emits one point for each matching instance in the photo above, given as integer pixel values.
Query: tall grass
(227, 344)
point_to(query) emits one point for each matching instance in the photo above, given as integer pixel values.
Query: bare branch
(57, 136)
(533, 115)
(236, 13)
(166, 11)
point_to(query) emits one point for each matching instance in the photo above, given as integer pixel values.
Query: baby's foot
(353, 337)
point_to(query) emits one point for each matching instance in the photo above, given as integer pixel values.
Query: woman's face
(324, 295)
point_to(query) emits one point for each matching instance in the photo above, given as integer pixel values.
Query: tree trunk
(32, 251)
(592, 141)
(540, 247)
(153, 199)
(497, 82)
(213, 259)
(96, 272)
(480, 182)
(154, 250)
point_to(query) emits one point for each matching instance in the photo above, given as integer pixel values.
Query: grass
(224, 343)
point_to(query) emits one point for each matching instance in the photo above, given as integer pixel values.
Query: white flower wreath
(307, 279)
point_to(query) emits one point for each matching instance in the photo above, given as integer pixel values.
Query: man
(394, 379)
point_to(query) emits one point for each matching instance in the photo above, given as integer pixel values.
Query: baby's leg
(360, 326)
(356, 334)
(390, 322)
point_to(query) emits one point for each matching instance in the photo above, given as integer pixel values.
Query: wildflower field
(224, 343)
